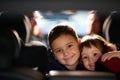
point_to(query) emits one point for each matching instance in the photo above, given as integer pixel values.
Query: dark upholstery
(111, 28)
(10, 47)
(21, 74)
(34, 54)
(16, 21)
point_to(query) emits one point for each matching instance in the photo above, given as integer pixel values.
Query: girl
(93, 50)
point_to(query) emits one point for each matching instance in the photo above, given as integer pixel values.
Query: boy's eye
(70, 46)
(58, 51)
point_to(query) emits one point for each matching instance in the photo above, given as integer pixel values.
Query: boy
(64, 44)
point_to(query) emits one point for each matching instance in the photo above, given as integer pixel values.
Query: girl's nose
(91, 60)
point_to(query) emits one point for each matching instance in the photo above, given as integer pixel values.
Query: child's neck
(72, 67)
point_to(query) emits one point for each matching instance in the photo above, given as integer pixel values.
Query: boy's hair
(59, 30)
(97, 41)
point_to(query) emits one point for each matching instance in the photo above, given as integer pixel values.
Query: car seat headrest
(18, 22)
(10, 46)
(111, 28)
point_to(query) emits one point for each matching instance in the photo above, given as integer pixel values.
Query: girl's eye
(95, 54)
(85, 57)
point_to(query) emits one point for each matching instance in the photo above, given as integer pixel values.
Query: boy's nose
(65, 53)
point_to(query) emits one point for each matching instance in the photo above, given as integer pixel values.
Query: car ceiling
(30, 5)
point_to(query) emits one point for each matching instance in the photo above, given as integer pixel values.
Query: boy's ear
(51, 51)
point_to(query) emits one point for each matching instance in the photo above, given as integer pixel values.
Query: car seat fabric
(18, 22)
(9, 47)
(21, 74)
(34, 55)
(111, 28)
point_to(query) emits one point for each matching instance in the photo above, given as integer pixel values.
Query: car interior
(25, 59)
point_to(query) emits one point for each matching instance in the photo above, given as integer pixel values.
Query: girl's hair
(97, 41)
(59, 30)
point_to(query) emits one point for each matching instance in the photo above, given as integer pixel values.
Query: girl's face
(66, 51)
(89, 56)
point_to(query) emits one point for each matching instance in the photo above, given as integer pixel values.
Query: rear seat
(10, 46)
(32, 53)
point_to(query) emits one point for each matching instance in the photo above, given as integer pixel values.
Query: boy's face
(66, 51)
(90, 56)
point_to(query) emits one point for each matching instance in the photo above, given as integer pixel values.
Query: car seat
(10, 46)
(16, 21)
(34, 55)
(111, 28)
